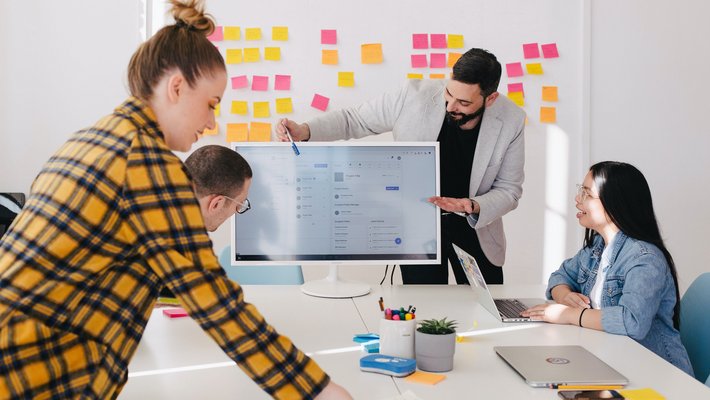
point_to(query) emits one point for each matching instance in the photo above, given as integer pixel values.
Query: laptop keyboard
(510, 308)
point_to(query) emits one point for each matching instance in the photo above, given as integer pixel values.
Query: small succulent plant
(437, 326)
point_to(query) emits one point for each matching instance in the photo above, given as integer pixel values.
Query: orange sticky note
(260, 132)
(211, 132)
(272, 53)
(517, 98)
(234, 56)
(232, 33)
(415, 76)
(426, 378)
(239, 107)
(329, 57)
(253, 33)
(549, 93)
(237, 132)
(279, 33)
(453, 57)
(548, 115)
(534, 68)
(346, 79)
(252, 54)
(371, 53)
(455, 41)
(284, 106)
(261, 109)
(437, 76)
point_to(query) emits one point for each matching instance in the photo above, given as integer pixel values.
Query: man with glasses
(482, 155)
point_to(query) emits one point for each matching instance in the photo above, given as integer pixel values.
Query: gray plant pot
(435, 353)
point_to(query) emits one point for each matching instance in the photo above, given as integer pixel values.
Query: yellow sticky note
(279, 33)
(534, 68)
(217, 109)
(253, 33)
(272, 53)
(517, 98)
(234, 56)
(437, 76)
(239, 107)
(211, 132)
(232, 33)
(549, 93)
(415, 76)
(548, 115)
(426, 378)
(455, 41)
(252, 54)
(260, 132)
(329, 57)
(346, 79)
(641, 394)
(453, 57)
(371, 53)
(261, 109)
(284, 106)
(237, 132)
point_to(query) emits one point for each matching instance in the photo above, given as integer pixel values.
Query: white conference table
(177, 360)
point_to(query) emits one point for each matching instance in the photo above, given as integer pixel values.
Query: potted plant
(435, 343)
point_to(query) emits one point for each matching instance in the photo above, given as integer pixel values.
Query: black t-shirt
(456, 148)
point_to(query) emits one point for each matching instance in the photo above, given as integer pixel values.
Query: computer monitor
(339, 203)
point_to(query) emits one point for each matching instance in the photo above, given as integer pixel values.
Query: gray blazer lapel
(487, 138)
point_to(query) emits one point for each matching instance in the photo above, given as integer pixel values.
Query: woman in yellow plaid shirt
(110, 220)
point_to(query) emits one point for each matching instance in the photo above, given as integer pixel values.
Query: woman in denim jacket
(623, 280)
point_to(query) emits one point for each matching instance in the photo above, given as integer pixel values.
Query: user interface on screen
(340, 202)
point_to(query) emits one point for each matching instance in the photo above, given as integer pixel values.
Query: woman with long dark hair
(623, 280)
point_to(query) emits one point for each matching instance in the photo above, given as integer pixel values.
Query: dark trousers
(457, 230)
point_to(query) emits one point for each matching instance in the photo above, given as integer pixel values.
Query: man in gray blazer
(482, 155)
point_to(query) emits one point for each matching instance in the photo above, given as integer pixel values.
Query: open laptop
(552, 366)
(506, 310)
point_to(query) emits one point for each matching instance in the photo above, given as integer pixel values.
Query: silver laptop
(506, 310)
(552, 366)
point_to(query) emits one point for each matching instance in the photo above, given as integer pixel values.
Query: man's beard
(465, 118)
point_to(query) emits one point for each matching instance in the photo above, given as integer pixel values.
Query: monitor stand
(333, 287)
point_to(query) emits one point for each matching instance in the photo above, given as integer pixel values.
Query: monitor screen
(339, 202)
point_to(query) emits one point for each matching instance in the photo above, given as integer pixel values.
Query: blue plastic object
(695, 326)
(388, 365)
(260, 274)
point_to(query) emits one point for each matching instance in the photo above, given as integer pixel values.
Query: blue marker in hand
(290, 139)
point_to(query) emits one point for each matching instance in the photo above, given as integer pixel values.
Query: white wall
(650, 102)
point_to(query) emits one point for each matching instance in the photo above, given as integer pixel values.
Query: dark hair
(217, 170)
(477, 66)
(183, 45)
(626, 198)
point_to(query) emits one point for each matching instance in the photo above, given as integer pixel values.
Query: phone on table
(590, 394)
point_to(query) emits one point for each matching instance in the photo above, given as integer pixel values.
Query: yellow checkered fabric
(111, 218)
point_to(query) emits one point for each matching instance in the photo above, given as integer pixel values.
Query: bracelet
(580, 317)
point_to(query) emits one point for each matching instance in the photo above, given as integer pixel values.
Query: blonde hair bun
(191, 13)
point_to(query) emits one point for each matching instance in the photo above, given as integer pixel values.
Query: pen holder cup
(397, 338)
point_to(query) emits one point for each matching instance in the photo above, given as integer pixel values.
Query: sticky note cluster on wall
(249, 132)
(436, 58)
(516, 93)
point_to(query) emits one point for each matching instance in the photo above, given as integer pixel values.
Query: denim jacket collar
(598, 247)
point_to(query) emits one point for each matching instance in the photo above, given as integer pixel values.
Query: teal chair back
(695, 326)
(260, 274)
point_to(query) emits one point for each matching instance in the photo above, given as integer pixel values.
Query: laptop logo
(557, 360)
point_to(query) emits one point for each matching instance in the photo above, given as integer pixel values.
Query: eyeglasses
(241, 207)
(583, 193)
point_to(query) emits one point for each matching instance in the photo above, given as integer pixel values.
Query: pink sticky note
(437, 60)
(531, 50)
(419, 61)
(516, 87)
(175, 312)
(550, 50)
(514, 69)
(420, 41)
(239, 82)
(438, 40)
(217, 35)
(328, 36)
(260, 83)
(320, 102)
(283, 82)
